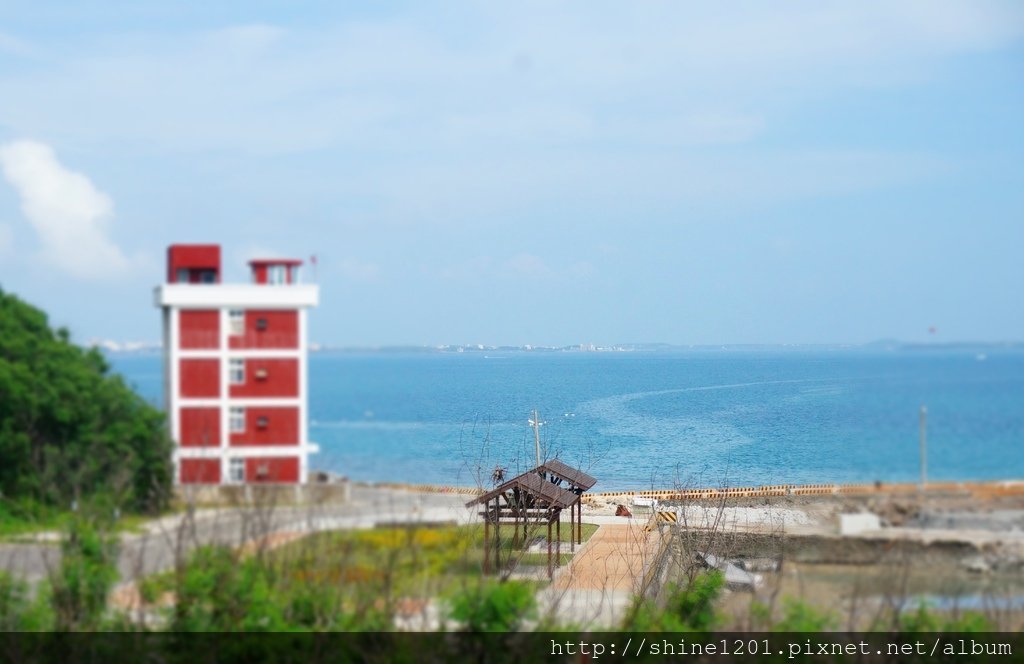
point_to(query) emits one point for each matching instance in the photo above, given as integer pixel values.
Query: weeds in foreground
(689, 607)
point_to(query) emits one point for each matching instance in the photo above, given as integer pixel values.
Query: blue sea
(659, 420)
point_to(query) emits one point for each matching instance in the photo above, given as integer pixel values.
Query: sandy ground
(938, 510)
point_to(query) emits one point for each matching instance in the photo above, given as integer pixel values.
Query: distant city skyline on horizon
(133, 346)
(694, 174)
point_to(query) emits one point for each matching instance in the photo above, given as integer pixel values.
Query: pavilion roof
(535, 485)
(568, 474)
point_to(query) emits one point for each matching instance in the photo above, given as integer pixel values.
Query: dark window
(261, 323)
(208, 277)
(263, 422)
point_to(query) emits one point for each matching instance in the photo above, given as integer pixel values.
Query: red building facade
(235, 369)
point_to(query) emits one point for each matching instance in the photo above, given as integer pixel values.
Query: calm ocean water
(637, 420)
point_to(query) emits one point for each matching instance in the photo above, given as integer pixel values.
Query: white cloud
(401, 81)
(70, 216)
(507, 107)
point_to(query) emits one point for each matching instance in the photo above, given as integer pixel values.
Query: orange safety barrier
(977, 489)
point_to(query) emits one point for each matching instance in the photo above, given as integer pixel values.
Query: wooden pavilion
(536, 497)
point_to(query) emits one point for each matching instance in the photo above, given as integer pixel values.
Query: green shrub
(493, 607)
(688, 608)
(12, 603)
(970, 621)
(921, 619)
(88, 570)
(800, 616)
(218, 591)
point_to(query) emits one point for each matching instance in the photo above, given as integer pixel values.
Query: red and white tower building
(235, 369)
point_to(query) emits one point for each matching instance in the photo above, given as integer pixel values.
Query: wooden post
(579, 521)
(526, 524)
(558, 540)
(549, 548)
(572, 528)
(497, 536)
(518, 515)
(487, 538)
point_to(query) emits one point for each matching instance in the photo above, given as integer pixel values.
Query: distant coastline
(880, 345)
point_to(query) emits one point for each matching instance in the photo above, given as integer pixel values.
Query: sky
(527, 173)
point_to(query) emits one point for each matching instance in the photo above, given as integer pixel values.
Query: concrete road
(168, 539)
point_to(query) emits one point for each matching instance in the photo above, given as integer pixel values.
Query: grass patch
(416, 562)
(26, 517)
(23, 518)
(342, 581)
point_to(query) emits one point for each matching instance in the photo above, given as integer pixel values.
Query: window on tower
(236, 322)
(276, 275)
(236, 371)
(238, 420)
(236, 471)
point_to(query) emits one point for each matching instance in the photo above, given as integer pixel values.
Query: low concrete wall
(265, 494)
(855, 524)
(839, 550)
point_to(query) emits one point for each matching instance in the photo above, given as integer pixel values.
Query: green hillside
(70, 430)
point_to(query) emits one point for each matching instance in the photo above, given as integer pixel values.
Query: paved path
(597, 588)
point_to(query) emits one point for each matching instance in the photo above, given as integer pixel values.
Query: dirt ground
(953, 551)
(964, 509)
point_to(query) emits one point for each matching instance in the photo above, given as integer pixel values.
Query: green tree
(69, 428)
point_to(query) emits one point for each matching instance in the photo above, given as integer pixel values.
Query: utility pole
(535, 422)
(924, 447)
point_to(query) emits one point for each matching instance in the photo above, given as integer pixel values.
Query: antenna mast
(535, 422)
(924, 447)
